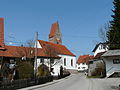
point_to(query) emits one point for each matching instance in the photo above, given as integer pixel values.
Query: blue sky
(79, 20)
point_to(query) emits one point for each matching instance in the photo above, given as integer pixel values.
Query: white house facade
(68, 62)
(65, 58)
(55, 65)
(101, 47)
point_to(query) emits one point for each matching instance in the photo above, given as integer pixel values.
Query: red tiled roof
(42, 53)
(84, 59)
(15, 51)
(59, 49)
(53, 29)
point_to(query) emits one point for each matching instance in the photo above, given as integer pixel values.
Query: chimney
(2, 33)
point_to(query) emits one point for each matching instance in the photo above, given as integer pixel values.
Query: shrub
(99, 70)
(43, 70)
(25, 69)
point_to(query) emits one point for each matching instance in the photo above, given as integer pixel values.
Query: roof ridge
(51, 43)
(18, 46)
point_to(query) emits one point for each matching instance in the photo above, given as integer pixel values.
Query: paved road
(80, 82)
(73, 82)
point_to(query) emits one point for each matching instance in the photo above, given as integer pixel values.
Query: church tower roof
(54, 28)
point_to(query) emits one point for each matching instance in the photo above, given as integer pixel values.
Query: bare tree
(50, 51)
(52, 54)
(28, 51)
(30, 43)
(103, 32)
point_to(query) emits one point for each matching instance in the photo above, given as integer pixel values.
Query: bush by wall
(43, 70)
(25, 69)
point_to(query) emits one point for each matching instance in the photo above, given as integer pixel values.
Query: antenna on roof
(11, 37)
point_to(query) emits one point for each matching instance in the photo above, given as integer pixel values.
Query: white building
(82, 62)
(99, 48)
(64, 58)
(112, 61)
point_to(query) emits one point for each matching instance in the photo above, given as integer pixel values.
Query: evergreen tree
(113, 34)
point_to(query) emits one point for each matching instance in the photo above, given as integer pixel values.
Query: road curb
(39, 86)
(44, 85)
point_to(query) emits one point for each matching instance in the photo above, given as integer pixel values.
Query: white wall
(110, 67)
(68, 61)
(46, 62)
(38, 45)
(56, 65)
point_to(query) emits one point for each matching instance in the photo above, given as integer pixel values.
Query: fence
(65, 74)
(17, 84)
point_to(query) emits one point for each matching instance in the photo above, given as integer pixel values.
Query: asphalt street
(80, 82)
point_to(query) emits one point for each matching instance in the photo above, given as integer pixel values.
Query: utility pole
(36, 69)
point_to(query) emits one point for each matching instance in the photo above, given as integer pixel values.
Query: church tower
(55, 35)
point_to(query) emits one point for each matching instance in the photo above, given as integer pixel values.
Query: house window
(41, 60)
(12, 61)
(83, 63)
(116, 61)
(91, 62)
(100, 47)
(83, 67)
(71, 62)
(52, 61)
(64, 61)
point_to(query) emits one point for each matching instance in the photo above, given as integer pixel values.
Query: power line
(71, 36)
